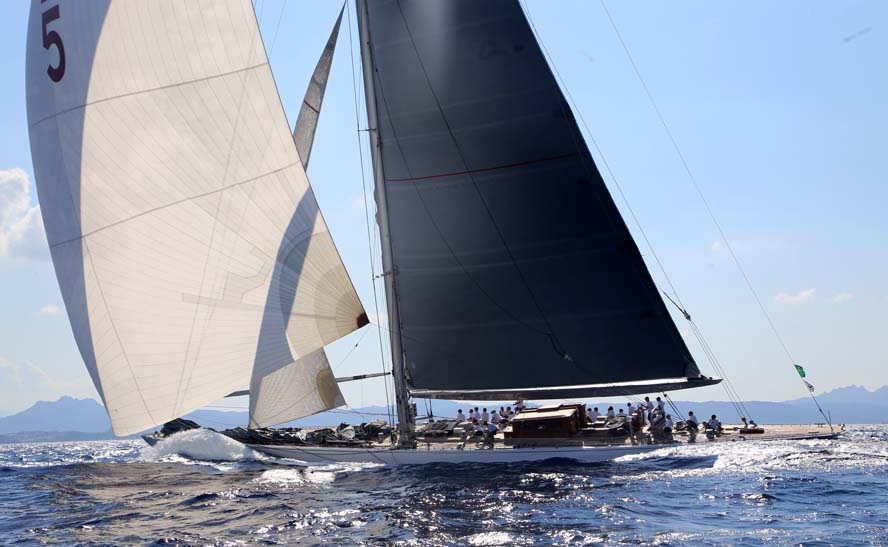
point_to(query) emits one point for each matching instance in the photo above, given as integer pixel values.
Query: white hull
(388, 456)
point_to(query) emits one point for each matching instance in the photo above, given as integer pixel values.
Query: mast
(402, 396)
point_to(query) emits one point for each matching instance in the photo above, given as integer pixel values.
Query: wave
(202, 445)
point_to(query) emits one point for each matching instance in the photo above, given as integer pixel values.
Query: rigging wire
(706, 205)
(277, 27)
(370, 239)
(674, 407)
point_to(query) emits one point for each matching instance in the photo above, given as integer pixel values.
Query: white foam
(317, 475)
(200, 444)
(288, 477)
(490, 538)
(860, 447)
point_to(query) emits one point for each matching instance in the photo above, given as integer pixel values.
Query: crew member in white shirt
(593, 415)
(693, 425)
(460, 417)
(610, 413)
(495, 418)
(485, 415)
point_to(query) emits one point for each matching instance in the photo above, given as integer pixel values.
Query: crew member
(693, 425)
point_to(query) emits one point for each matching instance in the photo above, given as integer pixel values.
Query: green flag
(800, 370)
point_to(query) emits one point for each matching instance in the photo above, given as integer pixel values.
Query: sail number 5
(50, 39)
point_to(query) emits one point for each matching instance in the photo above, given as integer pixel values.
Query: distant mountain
(84, 419)
(65, 414)
(850, 395)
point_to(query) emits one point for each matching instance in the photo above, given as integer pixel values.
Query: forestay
(180, 220)
(514, 272)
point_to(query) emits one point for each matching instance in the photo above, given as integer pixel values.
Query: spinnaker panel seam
(146, 91)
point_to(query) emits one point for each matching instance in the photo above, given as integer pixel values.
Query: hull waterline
(390, 456)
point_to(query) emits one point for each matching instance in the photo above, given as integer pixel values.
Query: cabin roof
(545, 414)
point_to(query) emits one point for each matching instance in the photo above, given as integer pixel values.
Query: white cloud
(50, 310)
(806, 295)
(842, 297)
(21, 228)
(716, 246)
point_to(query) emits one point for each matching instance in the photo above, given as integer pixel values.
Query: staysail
(180, 221)
(514, 273)
(281, 389)
(310, 111)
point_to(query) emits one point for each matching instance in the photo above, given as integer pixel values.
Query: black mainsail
(510, 270)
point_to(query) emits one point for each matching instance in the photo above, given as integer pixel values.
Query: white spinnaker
(168, 180)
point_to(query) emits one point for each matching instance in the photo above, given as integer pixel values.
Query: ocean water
(207, 490)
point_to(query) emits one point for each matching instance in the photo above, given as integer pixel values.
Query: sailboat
(194, 260)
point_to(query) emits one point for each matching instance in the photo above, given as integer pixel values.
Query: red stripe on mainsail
(484, 169)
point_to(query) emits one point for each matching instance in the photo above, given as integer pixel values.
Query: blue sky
(780, 110)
